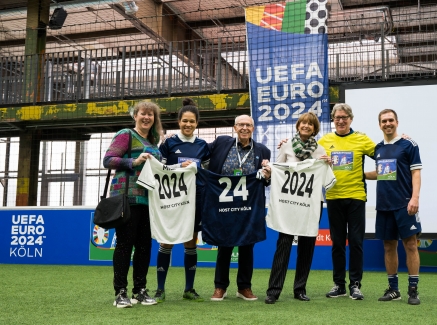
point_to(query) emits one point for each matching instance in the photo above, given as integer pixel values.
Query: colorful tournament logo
(102, 242)
(386, 170)
(100, 235)
(342, 160)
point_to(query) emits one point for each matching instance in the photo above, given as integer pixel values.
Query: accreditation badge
(238, 172)
(386, 170)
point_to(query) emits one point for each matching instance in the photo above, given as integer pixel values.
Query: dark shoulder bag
(113, 212)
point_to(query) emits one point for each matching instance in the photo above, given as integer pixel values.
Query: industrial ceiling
(355, 31)
(410, 26)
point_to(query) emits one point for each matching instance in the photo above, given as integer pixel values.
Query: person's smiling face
(244, 128)
(342, 122)
(388, 124)
(144, 120)
(188, 124)
(306, 129)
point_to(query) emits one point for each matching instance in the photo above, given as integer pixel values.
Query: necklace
(141, 133)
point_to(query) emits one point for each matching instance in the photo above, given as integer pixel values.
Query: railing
(167, 69)
(160, 69)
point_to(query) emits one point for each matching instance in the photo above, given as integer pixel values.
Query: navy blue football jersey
(233, 209)
(394, 163)
(175, 151)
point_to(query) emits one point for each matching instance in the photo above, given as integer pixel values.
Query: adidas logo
(331, 147)
(193, 268)
(377, 156)
(413, 227)
(160, 269)
(178, 151)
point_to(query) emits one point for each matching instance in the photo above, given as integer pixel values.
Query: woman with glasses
(303, 146)
(180, 150)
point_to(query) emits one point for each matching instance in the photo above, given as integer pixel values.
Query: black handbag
(114, 211)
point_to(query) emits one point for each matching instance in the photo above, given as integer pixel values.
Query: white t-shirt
(172, 200)
(295, 196)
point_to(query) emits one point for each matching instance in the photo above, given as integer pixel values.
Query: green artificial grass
(36, 294)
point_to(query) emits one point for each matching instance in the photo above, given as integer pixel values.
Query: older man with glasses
(347, 199)
(237, 156)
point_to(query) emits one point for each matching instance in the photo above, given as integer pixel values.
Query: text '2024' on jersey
(172, 200)
(295, 196)
(233, 209)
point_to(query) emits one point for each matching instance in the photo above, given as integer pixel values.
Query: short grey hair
(342, 107)
(253, 122)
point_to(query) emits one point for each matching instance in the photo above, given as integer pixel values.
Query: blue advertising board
(67, 236)
(45, 235)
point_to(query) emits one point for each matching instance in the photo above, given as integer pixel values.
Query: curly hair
(156, 129)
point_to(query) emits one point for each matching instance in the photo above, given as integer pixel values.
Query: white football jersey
(295, 196)
(172, 200)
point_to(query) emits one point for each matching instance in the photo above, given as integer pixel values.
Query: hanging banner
(288, 64)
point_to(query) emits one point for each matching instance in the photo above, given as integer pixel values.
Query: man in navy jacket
(237, 156)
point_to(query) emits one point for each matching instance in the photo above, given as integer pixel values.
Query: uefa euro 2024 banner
(288, 64)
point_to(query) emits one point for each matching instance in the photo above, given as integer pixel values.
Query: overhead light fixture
(58, 18)
(130, 7)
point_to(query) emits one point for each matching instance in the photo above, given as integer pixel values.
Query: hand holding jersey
(172, 194)
(296, 200)
(181, 150)
(233, 209)
(239, 157)
(295, 196)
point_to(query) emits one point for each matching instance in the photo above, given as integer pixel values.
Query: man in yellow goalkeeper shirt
(346, 200)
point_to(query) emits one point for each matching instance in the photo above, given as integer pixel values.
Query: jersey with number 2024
(295, 196)
(172, 196)
(233, 209)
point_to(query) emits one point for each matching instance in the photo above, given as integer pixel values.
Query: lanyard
(245, 156)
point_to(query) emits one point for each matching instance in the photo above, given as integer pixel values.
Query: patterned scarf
(303, 150)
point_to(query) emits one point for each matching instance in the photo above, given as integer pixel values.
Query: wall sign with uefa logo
(53, 235)
(27, 235)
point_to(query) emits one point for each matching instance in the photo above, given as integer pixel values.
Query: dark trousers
(136, 233)
(245, 267)
(347, 221)
(305, 252)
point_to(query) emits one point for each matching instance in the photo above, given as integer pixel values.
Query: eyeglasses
(338, 118)
(242, 125)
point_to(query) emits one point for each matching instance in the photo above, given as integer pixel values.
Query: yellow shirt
(347, 155)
